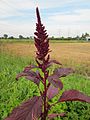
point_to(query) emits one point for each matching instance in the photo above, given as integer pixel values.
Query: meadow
(14, 56)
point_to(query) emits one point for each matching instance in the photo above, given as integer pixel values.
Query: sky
(60, 17)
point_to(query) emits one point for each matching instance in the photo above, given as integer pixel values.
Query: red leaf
(34, 79)
(53, 79)
(28, 68)
(55, 61)
(30, 75)
(74, 95)
(50, 116)
(51, 62)
(29, 110)
(52, 92)
(62, 72)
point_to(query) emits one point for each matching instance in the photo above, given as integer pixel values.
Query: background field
(76, 55)
(14, 56)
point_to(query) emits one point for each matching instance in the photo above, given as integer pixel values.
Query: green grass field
(13, 92)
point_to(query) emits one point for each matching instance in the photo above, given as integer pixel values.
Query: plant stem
(45, 106)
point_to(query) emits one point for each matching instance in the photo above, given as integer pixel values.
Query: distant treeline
(5, 36)
(82, 37)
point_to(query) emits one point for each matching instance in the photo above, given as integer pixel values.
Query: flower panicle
(41, 39)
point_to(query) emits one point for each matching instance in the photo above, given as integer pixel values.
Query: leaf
(52, 92)
(62, 72)
(74, 95)
(55, 61)
(30, 75)
(53, 115)
(35, 77)
(53, 79)
(51, 62)
(28, 68)
(29, 110)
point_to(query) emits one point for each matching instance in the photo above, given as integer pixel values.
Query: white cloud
(14, 7)
(81, 15)
(58, 3)
(16, 29)
(69, 24)
(62, 23)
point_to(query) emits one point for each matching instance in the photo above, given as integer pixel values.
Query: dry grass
(76, 55)
(75, 52)
(21, 49)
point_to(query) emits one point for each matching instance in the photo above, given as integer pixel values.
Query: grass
(67, 51)
(12, 92)
(15, 56)
(52, 41)
(76, 55)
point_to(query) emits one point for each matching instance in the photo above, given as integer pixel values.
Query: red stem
(44, 116)
(45, 92)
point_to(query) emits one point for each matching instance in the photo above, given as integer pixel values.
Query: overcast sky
(61, 17)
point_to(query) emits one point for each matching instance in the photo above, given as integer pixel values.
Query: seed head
(41, 39)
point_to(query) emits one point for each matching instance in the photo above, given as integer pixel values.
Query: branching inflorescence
(38, 106)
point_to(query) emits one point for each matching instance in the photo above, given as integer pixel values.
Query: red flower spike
(41, 39)
(38, 16)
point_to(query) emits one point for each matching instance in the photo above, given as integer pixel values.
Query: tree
(83, 37)
(21, 37)
(5, 36)
(86, 35)
(11, 37)
(77, 37)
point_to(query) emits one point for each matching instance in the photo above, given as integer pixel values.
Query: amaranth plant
(37, 107)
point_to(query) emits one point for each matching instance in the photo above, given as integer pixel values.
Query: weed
(39, 106)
